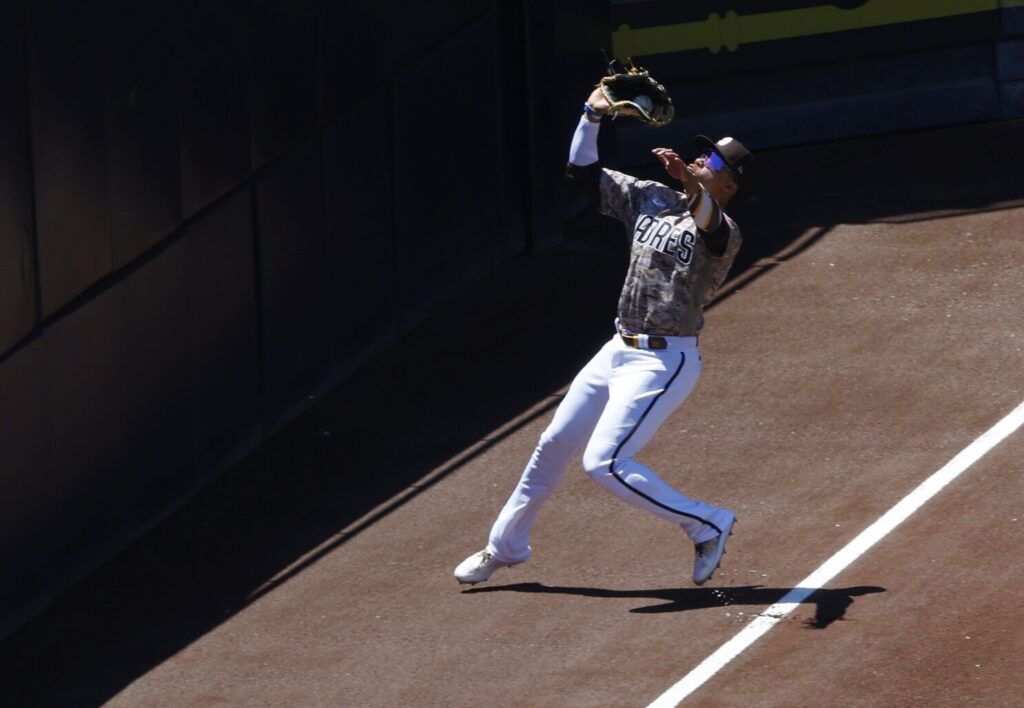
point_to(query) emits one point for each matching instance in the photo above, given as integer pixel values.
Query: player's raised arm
(584, 167)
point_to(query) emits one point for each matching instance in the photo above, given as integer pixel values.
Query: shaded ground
(870, 330)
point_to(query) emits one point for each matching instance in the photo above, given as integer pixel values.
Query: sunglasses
(713, 160)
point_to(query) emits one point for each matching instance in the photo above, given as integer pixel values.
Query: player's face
(711, 168)
(713, 173)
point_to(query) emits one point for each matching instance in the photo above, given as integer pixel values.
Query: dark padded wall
(17, 244)
(359, 222)
(211, 213)
(285, 76)
(64, 395)
(141, 125)
(211, 59)
(131, 402)
(354, 46)
(223, 332)
(294, 276)
(441, 189)
(72, 197)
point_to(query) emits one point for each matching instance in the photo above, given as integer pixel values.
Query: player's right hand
(673, 164)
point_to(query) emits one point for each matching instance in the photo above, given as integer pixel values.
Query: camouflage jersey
(672, 275)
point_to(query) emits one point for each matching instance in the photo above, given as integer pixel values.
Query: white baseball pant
(615, 405)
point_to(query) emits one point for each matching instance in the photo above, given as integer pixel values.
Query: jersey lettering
(659, 235)
(665, 236)
(685, 253)
(643, 225)
(673, 241)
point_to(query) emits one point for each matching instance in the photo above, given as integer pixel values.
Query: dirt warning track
(871, 332)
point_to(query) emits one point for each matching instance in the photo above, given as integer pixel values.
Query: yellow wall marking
(733, 30)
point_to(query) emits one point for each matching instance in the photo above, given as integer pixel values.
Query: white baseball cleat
(710, 552)
(478, 567)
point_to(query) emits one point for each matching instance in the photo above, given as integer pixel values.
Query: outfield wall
(213, 212)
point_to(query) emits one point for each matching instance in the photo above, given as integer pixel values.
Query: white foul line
(837, 563)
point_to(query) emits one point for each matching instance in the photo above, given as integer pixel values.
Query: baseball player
(682, 246)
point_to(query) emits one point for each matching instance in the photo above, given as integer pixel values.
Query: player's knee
(597, 462)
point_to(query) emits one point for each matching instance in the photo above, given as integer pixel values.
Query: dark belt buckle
(657, 343)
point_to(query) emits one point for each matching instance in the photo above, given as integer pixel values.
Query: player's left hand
(598, 101)
(673, 164)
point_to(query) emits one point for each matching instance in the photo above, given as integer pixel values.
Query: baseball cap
(738, 160)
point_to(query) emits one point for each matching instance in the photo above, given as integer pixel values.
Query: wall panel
(417, 29)
(67, 397)
(293, 279)
(219, 287)
(157, 374)
(360, 227)
(354, 54)
(88, 411)
(114, 414)
(447, 218)
(511, 120)
(17, 247)
(564, 42)
(212, 57)
(69, 150)
(1011, 20)
(285, 78)
(32, 495)
(141, 112)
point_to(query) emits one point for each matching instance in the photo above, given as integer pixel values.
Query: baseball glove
(635, 93)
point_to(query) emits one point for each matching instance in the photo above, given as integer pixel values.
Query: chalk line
(837, 563)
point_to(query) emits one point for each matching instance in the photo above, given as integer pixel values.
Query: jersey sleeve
(625, 197)
(586, 179)
(616, 194)
(707, 214)
(721, 264)
(710, 221)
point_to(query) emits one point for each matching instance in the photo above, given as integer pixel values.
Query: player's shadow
(830, 604)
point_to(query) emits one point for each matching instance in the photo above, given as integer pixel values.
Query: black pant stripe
(615, 455)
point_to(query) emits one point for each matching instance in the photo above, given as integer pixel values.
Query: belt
(635, 341)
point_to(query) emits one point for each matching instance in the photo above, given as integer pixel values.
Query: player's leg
(570, 428)
(643, 391)
(573, 422)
